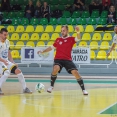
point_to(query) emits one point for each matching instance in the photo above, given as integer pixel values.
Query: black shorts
(67, 64)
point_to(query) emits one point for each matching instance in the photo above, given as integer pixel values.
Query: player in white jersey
(7, 65)
(114, 41)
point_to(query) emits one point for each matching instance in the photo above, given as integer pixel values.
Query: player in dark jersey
(63, 46)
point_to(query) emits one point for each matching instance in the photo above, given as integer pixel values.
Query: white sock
(4, 77)
(22, 80)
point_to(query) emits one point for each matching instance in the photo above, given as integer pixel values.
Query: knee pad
(7, 73)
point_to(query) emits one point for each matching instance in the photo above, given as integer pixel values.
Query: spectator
(5, 5)
(45, 11)
(78, 5)
(111, 15)
(106, 4)
(29, 10)
(38, 10)
(96, 4)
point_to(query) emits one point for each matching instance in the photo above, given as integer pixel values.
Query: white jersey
(4, 48)
(115, 39)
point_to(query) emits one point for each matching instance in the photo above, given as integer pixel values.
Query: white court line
(107, 108)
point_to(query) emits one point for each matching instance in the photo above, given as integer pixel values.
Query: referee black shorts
(67, 64)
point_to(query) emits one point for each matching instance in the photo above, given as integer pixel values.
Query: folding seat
(63, 2)
(53, 21)
(15, 22)
(96, 37)
(62, 21)
(54, 36)
(34, 37)
(110, 30)
(71, 28)
(86, 37)
(101, 55)
(43, 21)
(89, 28)
(58, 28)
(11, 45)
(19, 14)
(107, 37)
(25, 22)
(61, 7)
(92, 21)
(29, 29)
(83, 44)
(45, 37)
(82, 21)
(104, 14)
(94, 45)
(11, 15)
(49, 29)
(72, 21)
(97, 27)
(24, 37)
(76, 14)
(2, 27)
(15, 54)
(85, 14)
(95, 14)
(19, 29)
(113, 55)
(102, 21)
(19, 45)
(104, 45)
(10, 29)
(81, 28)
(34, 21)
(50, 43)
(40, 43)
(39, 29)
(30, 44)
(54, 2)
(66, 14)
(92, 55)
(14, 37)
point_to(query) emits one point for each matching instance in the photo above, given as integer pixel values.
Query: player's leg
(56, 69)
(79, 80)
(4, 75)
(72, 69)
(21, 79)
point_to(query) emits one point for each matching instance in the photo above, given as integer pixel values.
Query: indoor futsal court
(66, 100)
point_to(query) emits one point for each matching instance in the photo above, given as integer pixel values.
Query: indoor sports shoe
(85, 92)
(1, 93)
(27, 90)
(49, 90)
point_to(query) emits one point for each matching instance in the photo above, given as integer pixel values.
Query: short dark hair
(3, 30)
(65, 26)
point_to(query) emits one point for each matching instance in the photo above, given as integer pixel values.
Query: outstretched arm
(112, 48)
(46, 50)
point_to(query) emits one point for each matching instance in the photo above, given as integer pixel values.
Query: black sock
(53, 78)
(80, 81)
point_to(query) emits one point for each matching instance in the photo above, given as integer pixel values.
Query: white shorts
(3, 67)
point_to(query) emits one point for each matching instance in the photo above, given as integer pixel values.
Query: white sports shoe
(49, 90)
(85, 92)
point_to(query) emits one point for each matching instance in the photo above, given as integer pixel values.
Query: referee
(63, 46)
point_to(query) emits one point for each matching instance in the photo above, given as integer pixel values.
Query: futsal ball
(40, 87)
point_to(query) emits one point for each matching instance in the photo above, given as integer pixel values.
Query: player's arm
(10, 57)
(78, 37)
(4, 61)
(112, 48)
(46, 50)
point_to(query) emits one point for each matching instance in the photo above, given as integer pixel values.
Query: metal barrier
(79, 65)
